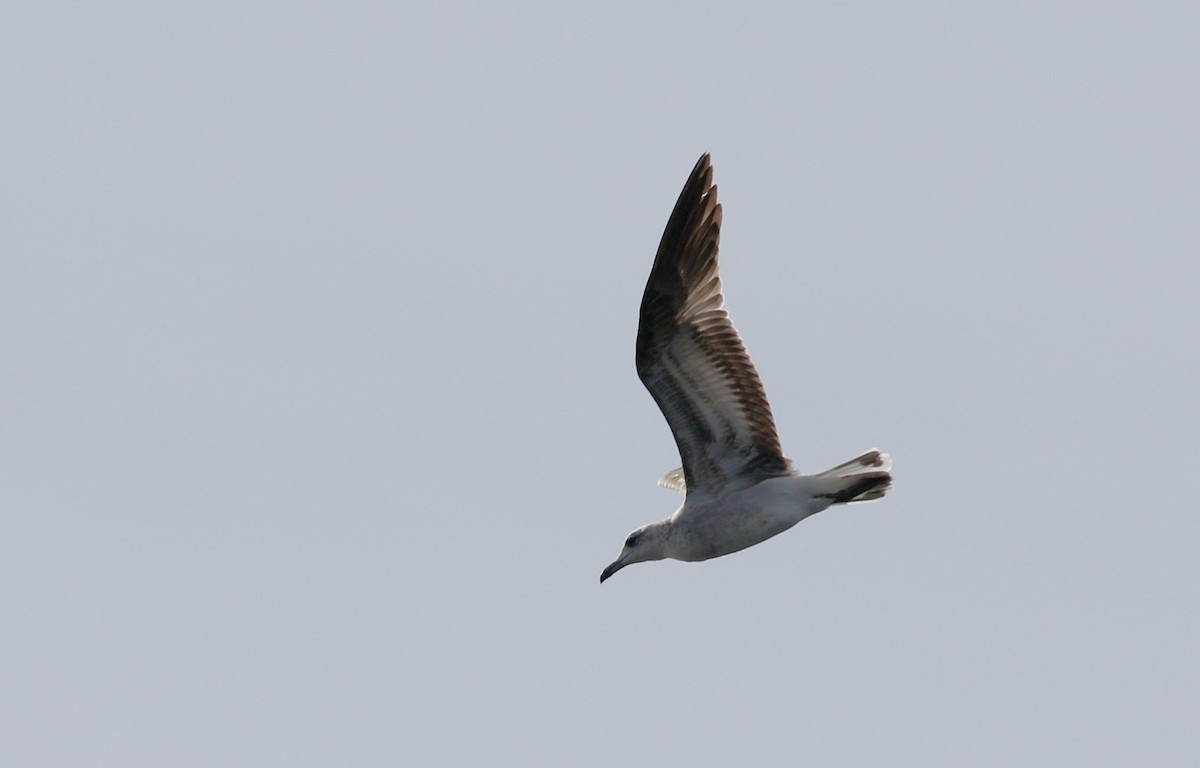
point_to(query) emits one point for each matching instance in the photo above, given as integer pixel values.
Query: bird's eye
(632, 541)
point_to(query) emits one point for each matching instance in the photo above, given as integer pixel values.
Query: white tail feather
(873, 463)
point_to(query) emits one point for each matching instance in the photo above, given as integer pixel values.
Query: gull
(738, 487)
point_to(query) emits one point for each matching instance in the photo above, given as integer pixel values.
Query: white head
(646, 543)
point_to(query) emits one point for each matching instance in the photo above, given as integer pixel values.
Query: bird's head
(646, 543)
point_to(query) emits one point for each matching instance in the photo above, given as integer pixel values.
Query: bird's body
(740, 489)
(710, 526)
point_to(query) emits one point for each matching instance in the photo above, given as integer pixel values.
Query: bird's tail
(865, 478)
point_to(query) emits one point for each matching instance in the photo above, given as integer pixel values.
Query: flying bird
(738, 487)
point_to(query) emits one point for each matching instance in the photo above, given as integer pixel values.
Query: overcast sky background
(321, 418)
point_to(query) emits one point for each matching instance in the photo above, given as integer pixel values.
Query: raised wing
(691, 358)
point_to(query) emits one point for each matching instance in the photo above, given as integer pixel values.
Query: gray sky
(321, 416)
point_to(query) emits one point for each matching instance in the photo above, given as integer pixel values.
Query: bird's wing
(674, 481)
(691, 358)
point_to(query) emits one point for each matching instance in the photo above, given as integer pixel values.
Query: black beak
(610, 570)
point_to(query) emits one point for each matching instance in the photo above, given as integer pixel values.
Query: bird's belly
(724, 525)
